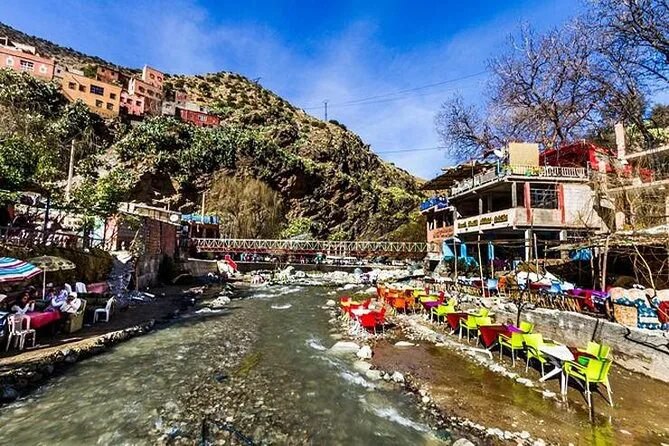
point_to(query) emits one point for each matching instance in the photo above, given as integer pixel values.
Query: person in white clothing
(23, 304)
(71, 305)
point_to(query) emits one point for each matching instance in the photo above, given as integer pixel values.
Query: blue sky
(309, 51)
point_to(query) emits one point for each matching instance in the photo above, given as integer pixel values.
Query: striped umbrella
(15, 270)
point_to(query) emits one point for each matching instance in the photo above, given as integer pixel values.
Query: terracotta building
(197, 118)
(24, 58)
(101, 97)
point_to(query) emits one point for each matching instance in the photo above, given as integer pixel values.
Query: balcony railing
(494, 174)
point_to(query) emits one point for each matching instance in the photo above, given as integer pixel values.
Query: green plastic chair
(513, 343)
(526, 327)
(441, 311)
(533, 342)
(468, 324)
(596, 372)
(480, 322)
(483, 312)
(600, 351)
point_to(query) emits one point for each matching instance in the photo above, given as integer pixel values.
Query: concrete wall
(642, 351)
(147, 270)
(579, 205)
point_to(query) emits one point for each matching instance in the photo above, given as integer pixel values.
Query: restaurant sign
(501, 219)
(441, 233)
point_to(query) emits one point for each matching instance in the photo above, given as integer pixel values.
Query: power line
(425, 149)
(400, 93)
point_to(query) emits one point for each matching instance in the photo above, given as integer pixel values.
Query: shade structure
(15, 270)
(50, 264)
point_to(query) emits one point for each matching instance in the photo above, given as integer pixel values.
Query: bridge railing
(307, 246)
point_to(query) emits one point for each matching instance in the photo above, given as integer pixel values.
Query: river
(261, 364)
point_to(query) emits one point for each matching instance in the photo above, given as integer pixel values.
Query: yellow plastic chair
(526, 327)
(470, 325)
(515, 342)
(533, 343)
(596, 372)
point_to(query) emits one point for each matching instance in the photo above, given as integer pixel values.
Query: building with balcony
(102, 98)
(517, 205)
(24, 58)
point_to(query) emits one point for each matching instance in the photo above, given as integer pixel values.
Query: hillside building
(132, 105)
(150, 87)
(512, 207)
(197, 118)
(101, 97)
(24, 58)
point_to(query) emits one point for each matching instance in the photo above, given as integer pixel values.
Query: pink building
(152, 77)
(132, 104)
(20, 57)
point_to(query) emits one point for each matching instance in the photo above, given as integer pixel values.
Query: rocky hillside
(267, 156)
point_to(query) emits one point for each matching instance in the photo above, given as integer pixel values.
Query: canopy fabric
(15, 270)
(52, 263)
(447, 251)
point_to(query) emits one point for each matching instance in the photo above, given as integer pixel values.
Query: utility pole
(70, 173)
(204, 194)
(325, 109)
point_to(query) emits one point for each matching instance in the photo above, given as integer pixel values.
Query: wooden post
(478, 248)
(605, 261)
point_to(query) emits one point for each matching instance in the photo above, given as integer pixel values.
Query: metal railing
(493, 174)
(29, 237)
(307, 246)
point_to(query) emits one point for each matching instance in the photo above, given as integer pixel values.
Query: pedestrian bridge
(309, 247)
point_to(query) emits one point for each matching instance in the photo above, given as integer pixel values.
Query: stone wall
(147, 270)
(642, 351)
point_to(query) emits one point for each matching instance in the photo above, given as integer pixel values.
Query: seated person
(71, 304)
(59, 299)
(23, 304)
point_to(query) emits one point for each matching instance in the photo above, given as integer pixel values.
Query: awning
(15, 270)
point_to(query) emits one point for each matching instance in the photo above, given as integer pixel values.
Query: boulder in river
(344, 347)
(330, 303)
(365, 352)
(374, 375)
(397, 377)
(404, 344)
(463, 442)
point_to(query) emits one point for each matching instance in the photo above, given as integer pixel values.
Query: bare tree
(640, 26)
(464, 131)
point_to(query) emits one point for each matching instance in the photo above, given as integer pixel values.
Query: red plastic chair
(368, 321)
(381, 318)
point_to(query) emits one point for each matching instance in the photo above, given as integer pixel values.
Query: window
(202, 118)
(82, 88)
(27, 65)
(98, 103)
(138, 103)
(42, 69)
(9, 62)
(152, 76)
(110, 106)
(72, 86)
(150, 92)
(97, 90)
(141, 89)
(544, 196)
(112, 95)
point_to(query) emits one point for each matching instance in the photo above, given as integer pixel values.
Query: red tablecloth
(490, 333)
(39, 319)
(454, 319)
(98, 287)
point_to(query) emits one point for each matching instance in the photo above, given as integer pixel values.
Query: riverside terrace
(509, 204)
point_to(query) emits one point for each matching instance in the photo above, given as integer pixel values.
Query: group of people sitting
(62, 300)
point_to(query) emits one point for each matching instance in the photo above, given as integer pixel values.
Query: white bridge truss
(307, 246)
